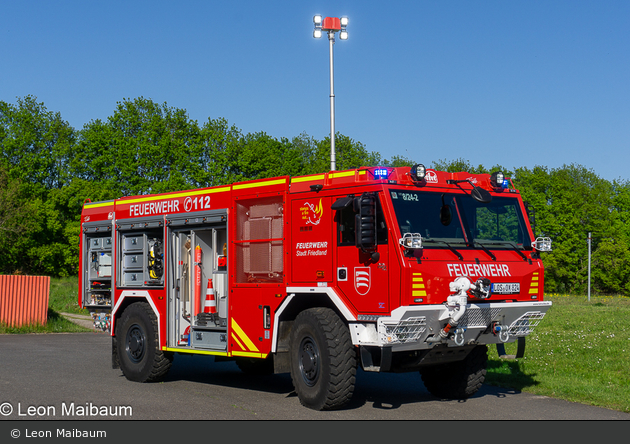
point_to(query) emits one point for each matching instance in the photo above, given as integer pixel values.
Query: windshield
(453, 218)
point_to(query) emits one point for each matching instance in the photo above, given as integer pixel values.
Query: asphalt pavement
(68, 376)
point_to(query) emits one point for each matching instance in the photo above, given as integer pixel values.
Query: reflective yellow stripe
(241, 334)
(259, 184)
(198, 352)
(307, 178)
(416, 278)
(97, 205)
(237, 341)
(175, 196)
(533, 291)
(249, 354)
(345, 174)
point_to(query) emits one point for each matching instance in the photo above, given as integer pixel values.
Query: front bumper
(416, 327)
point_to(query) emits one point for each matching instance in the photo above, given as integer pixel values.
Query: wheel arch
(127, 298)
(300, 299)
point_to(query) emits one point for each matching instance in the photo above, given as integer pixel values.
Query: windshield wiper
(450, 247)
(490, 253)
(511, 244)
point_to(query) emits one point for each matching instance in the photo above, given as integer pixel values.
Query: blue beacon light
(381, 173)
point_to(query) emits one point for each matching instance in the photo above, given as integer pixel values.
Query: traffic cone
(211, 303)
(185, 339)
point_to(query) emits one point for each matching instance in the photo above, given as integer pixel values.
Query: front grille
(408, 330)
(478, 317)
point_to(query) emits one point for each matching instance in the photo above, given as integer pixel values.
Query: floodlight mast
(331, 25)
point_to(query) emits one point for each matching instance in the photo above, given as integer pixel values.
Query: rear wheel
(137, 342)
(323, 360)
(457, 380)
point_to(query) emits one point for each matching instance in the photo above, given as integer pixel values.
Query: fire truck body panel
(226, 270)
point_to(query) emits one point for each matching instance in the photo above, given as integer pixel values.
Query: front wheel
(323, 360)
(137, 342)
(457, 380)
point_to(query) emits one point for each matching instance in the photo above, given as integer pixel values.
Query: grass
(55, 324)
(579, 352)
(64, 293)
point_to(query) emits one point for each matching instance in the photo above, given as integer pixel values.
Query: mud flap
(115, 361)
(376, 359)
(520, 349)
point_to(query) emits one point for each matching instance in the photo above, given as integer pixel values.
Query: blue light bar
(381, 173)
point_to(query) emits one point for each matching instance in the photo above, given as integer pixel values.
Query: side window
(345, 225)
(381, 225)
(258, 242)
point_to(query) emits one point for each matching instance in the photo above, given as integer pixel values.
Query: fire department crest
(362, 279)
(312, 213)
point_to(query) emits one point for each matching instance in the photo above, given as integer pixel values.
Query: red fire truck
(393, 269)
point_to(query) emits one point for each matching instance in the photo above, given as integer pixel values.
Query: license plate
(506, 288)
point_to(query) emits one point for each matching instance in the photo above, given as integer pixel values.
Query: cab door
(362, 277)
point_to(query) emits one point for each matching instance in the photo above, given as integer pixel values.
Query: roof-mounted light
(497, 180)
(380, 173)
(417, 172)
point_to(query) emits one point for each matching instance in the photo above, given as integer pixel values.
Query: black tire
(137, 343)
(457, 380)
(255, 366)
(323, 359)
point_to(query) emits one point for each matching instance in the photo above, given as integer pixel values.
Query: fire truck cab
(392, 269)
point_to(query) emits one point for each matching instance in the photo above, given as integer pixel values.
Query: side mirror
(365, 224)
(481, 195)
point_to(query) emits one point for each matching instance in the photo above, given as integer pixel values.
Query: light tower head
(331, 25)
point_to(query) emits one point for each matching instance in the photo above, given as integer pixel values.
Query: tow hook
(501, 331)
(458, 338)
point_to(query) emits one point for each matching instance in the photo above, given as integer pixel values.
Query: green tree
(569, 202)
(460, 164)
(35, 143)
(36, 146)
(611, 259)
(16, 221)
(143, 148)
(399, 161)
(215, 147)
(349, 154)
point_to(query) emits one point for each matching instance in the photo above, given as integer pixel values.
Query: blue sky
(516, 83)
